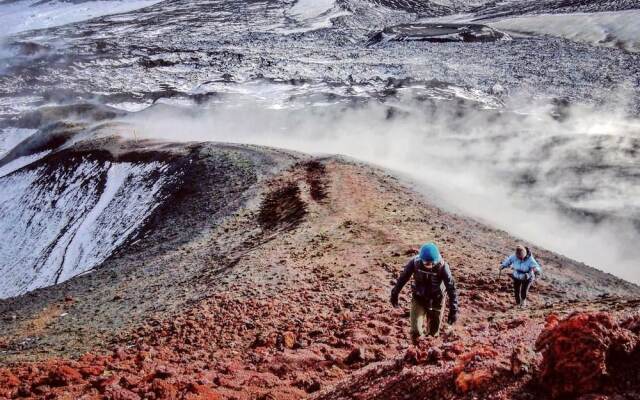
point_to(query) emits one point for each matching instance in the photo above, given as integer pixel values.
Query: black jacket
(427, 284)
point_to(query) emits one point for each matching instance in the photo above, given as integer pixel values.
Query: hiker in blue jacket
(525, 267)
(431, 277)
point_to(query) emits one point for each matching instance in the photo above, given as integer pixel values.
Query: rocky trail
(285, 296)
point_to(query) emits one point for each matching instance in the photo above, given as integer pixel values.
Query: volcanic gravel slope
(286, 296)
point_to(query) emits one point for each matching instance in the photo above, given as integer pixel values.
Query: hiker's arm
(450, 285)
(507, 262)
(535, 265)
(404, 277)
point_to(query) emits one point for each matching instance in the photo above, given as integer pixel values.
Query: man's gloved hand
(394, 298)
(453, 317)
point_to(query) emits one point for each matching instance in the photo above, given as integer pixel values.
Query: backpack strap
(440, 267)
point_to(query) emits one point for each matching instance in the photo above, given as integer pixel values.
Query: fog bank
(563, 177)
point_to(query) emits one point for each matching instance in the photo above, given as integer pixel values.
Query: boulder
(475, 380)
(522, 360)
(356, 355)
(201, 392)
(580, 352)
(288, 340)
(63, 375)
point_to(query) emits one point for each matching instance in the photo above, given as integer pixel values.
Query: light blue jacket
(522, 269)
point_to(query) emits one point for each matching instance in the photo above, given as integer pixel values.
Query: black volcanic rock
(430, 32)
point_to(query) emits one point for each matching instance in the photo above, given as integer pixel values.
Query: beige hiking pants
(418, 314)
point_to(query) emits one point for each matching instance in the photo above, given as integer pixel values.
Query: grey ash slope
(154, 270)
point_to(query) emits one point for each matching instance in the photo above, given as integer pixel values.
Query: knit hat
(429, 253)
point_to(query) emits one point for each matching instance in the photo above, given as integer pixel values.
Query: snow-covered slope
(612, 29)
(10, 137)
(309, 15)
(66, 214)
(23, 15)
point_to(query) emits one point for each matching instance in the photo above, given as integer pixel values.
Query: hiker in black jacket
(430, 273)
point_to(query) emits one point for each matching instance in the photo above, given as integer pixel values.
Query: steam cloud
(563, 177)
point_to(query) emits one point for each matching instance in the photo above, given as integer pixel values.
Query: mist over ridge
(568, 183)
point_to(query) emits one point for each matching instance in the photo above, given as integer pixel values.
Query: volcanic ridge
(266, 274)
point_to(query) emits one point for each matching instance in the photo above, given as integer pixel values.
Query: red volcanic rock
(261, 340)
(130, 381)
(632, 323)
(41, 389)
(309, 385)
(289, 340)
(452, 350)
(9, 384)
(121, 394)
(93, 370)
(474, 380)
(24, 390)
(102, 383)
(424, 353)
(89, 358)
(164, 372)
(355, 356)
(9, 380)
(411, 356)
(120, 354)
(63, 376)
(201, 392)
(476, 369)
(164, 389)
(522, 359)
(434, 355)
(580, 351)
(516, 323)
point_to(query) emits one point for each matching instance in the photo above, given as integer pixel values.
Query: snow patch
(610, 29)
(311, 15)
(11, 137)
(63, 220)
(21, 162)
(305, 9)
(94, 239)
(23, 15)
